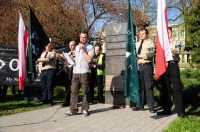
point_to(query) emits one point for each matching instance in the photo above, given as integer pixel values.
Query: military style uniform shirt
(175, 46)
(147, 51)
(47, 61)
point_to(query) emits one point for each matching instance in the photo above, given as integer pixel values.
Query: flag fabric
(131, 90)
(36, 44)
(163, 51)
(22, 51)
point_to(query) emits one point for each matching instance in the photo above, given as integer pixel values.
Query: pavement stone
(102, 118)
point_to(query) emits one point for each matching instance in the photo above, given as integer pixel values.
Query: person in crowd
(81, 75)
(69, 67)
(33, 90)
(145, 53)
(97, 74)
(46, 72)
(172, 76)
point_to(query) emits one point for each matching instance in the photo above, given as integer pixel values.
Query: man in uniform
(145, 53)
(172, 75)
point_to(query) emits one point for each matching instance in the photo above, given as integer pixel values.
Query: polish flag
(163, 51)
(22, 51)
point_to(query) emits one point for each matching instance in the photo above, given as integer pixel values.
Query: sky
(172, 13)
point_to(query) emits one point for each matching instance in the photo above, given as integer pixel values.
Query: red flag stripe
(160, 59)
(163, 52)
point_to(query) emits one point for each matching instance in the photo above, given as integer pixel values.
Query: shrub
(190, 79)
(191, 86)
(59, 92)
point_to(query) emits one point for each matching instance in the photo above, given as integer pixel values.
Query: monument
(115, 37)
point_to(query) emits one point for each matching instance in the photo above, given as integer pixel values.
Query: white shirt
(81, 64)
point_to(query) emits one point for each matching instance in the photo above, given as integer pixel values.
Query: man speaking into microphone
(81, 75)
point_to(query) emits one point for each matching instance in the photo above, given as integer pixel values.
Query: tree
(192, 20)
(148, 9)
(62, 19)
(97, 14)
(8, 23)
(59, 23)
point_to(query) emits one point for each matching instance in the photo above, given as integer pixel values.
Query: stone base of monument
(117, 99)
(115, 39)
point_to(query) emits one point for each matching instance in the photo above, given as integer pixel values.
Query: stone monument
(115, 64)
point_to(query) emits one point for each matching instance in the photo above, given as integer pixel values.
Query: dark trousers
(93, 80)
(47, 85)
(146, 84)
(67, 88)
(100, 88)
(172, 76)
(78, 80)
(33, 90)
(67, 95)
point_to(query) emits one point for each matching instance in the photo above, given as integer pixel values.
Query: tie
(43, 64)
(140, 48)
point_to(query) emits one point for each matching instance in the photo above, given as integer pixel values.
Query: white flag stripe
(162, 30)
(20, 43)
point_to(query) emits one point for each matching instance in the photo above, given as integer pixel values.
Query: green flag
(36, 44)
(131, 90)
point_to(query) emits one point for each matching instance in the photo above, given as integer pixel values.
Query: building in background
(178, 33)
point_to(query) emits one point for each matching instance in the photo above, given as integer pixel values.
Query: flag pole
(29, 56)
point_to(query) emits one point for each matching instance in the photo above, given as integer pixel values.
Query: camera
(94, 61)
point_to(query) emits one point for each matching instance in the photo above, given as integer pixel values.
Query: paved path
(102, 119)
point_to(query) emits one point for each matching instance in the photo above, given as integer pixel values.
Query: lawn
(189, 124)
(15, 103)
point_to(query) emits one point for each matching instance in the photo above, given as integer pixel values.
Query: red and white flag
(163, 51)
(22, 51)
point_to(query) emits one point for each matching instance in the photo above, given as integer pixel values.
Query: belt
(172, 61)
(143, 64)
(48, 69)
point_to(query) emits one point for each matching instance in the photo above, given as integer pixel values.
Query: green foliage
(59, 92)
(191, 86)
(191, 124)
(192, 24)
(191, 97)
(191, 89)
(196, 55)
(15, 103)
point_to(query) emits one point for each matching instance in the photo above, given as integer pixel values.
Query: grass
(189, 124)
(16, 104)
(12, 107)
